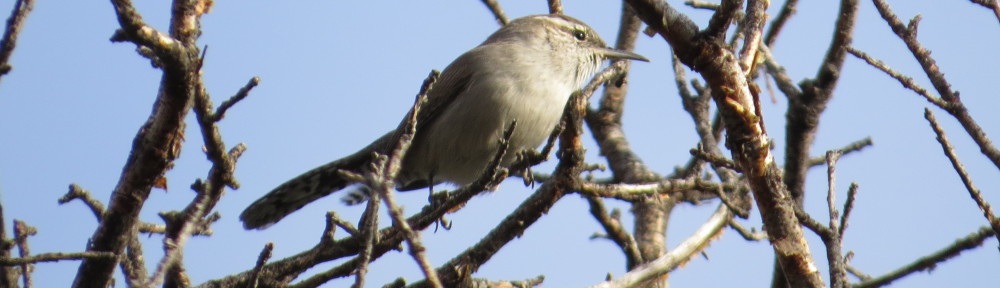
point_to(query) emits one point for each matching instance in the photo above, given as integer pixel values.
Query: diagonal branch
(951, 101)
(930, 261)
(677, 256)
(977, 196)
(14, 24)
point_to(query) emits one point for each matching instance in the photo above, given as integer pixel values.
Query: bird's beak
(614, 53)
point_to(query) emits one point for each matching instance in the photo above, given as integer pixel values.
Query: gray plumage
(526, 71)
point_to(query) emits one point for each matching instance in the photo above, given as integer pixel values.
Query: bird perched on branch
(526, 71)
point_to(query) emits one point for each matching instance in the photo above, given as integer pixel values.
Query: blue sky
(336, 75)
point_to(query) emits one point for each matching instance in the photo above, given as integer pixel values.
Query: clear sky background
(338, 74)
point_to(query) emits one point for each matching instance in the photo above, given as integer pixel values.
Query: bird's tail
(302, 190)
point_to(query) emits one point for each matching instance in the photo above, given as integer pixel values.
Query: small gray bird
(526, 71)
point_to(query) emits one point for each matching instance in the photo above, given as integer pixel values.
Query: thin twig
(53, 257)
(494, 7)
(838, 269)
(932, 260)
(849, 148)
(265, 254)
(858, 273)
(369, 234)
(974, 192)
(14, 24)
(612, 225)
(852, 193)
(953, 103)
(77, 192)
(779, 22)
(748, 234)
(665, 189)
(907, 81)
(21, 233)
(335, 221)
(240, 95)
(677, 256)
(383, 179)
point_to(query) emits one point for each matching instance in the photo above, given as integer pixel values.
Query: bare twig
(748, 234)
(209, 192)
(53, 257)
(992, 4)
(335, 221)
(369, 236)
(14, 24)
(665, 189)
(849, 148)
(907, 81)
(612, 225)
(494, 7)
(932, 260)
(77, 192)
(952, 103)
(977, 196)
(383, 181)
(677, 256)
(21, 233)
(838, 269)
(786, 13)
(555, 7)
(858, 273)
(852, 193)
(240, 95)
(265, 254)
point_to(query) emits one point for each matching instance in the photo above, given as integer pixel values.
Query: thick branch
(746, 136)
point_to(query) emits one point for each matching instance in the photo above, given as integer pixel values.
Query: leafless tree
(731, 54)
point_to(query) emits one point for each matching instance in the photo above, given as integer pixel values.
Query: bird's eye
(580, 35)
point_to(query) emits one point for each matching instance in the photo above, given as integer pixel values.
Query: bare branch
(240, 95)
(752, 28)
(53, 257)
(77, 192)
(852, 193)
(977, 196)
(677, 256)
(14, 24)
(555, 7)
(992, 4)
(907, 81)
(158, 141)
(724, 16)
(930, 261)
(612, 225)
(838, 269)
(383, 180)
(494, 7)
(849, 148)
(746, 135)
(751, 234)
(265, 254)
(779, 22)
(952, 103)
(21, 233)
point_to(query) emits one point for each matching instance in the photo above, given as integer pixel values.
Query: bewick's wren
(524, 71)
